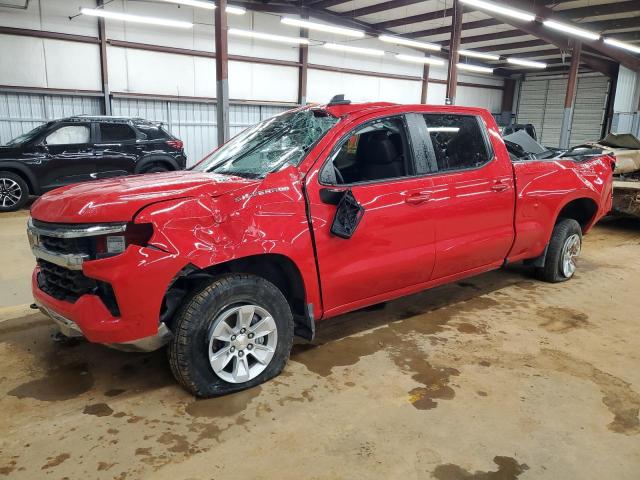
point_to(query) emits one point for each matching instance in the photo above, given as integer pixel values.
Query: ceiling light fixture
(507, 12)
(208, 5)
(410, 43)
(349, 48)
(570, 29)
(268, 36)
(471, 53)
(474, 68)
(526, 63)
(414, 59)
(619, 44)
(126, 17)
(233, 10)
(349, 32)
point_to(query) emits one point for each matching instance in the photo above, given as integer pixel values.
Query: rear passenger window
(375, 151)
(116, 132)
(151, 131)
(458, 141)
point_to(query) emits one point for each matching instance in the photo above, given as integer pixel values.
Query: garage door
(21, 112)
(542, 104)
(194, 122)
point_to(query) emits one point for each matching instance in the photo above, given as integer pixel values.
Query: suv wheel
(564, 249)
(156, 168)
(14, 192)
(233, 334)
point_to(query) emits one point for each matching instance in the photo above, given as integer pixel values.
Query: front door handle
(417, 198)
(499, 186)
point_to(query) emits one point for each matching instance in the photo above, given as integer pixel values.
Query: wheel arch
(25, 174)
(581, 209)
(276, 268)
(152, 159)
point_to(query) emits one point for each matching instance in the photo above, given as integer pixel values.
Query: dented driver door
(391, 244)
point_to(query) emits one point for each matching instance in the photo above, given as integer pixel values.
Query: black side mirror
(347, 217)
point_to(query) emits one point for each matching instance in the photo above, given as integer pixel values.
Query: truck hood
(119, 199)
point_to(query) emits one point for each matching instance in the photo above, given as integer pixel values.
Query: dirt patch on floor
(508, 469)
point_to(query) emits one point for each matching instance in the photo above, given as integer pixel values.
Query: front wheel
(233, 334)
(563, 252)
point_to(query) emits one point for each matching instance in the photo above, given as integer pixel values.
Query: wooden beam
(544, 13)
(381, 7)
(488, 22)
(222, 72)
(425, 82)
(437, 14)
(573, 75)
(104, 72)
(303, 57)
(452, 68)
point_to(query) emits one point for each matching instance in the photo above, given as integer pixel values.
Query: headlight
(134, 234)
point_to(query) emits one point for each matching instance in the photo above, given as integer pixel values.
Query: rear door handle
(418, 198)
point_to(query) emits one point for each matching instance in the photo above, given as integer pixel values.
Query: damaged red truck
(316, 212)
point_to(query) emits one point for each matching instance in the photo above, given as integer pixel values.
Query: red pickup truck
(310, 214)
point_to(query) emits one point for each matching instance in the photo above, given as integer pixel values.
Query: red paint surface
(471, 222)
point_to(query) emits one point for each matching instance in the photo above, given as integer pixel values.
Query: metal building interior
(497, 377)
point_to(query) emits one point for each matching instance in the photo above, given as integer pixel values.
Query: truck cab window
(69, 135)
(375, 151)
(116, 132)
(458, 141)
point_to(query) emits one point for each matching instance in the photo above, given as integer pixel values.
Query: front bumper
(147, 344)
(139, 277)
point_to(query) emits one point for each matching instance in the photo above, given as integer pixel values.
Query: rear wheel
(233, 334)
(563, 252)
(14, 192)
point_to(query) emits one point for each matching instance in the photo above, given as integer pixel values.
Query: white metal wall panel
(553, 113)
(20, 112)
(627, 91)
(488, 98)
(194, 122)
(589, 109)
(533, 99)
(541, 103)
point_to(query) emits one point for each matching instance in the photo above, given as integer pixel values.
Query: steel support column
(104, 71)
(452, 70)
(303, 57)
(222, 72)
(507, 101)
(425, 82)
(572, 82)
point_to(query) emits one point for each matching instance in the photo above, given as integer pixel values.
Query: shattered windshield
(269, 145)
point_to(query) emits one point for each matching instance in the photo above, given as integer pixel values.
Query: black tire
(553, 266)
(156, 168)
(189, 349)
(11, 185)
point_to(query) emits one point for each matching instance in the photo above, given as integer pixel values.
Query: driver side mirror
(347, 216)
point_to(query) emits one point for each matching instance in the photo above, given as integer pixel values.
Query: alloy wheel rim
(242, 342)
(570, 253)
(10, 192)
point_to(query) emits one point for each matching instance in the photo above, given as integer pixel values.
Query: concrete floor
(495, 378)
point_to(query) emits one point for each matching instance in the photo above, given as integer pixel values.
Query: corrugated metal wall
(21, 112)
(541, 103)
(194, 122)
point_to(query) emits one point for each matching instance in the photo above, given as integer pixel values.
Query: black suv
(77, 149)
